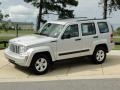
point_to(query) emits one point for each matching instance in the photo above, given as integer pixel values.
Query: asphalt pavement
(93, 84)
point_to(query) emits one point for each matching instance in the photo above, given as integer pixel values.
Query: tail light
(111, 38)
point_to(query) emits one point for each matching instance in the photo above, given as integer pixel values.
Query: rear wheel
(99, 55)
(40, 64)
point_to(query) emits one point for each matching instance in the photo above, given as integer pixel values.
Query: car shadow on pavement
(84, 66)
(61, 67)
(23, 69)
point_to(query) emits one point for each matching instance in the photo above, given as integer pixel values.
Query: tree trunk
(39, 18)
(105, 9)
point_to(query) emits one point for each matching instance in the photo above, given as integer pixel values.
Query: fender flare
(33, 51)
(93, 46)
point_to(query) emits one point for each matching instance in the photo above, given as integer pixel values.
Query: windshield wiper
(43, 34)
(37, 33)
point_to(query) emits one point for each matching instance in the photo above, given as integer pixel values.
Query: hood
(32, 39)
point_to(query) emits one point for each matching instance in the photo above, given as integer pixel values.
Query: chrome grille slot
(14, 48)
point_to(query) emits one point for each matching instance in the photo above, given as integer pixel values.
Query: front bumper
(16, 58)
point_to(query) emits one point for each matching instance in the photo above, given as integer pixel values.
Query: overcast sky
(24, 12)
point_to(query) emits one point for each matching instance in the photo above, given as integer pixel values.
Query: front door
(69, 45)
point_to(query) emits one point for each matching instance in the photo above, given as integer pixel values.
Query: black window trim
(88, 23)
(99, 27)
(71, 25)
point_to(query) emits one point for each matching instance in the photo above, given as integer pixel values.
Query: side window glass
(103, 27)
(88, 29)
(71, 31)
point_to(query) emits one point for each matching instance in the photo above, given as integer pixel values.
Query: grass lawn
(1, 46)
(14, 31)
(116, 39)
(117, 47)
(6, 38)
(12, 34)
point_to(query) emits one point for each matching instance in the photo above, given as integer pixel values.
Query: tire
(99, 55)
(40, 64)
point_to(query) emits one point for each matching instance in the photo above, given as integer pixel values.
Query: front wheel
(40, 64)
(99, 55)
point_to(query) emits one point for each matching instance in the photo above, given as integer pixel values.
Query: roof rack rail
(92, 19)
(75, 18)
(79, 17)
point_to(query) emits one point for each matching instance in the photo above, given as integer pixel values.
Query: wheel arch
(43, 50)
(47, 53)
(102, 45)
(43, 53)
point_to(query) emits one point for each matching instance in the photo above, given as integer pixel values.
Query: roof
(65, 21)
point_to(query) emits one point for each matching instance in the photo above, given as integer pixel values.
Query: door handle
(95, 37)
(53, 41)
(77, 39)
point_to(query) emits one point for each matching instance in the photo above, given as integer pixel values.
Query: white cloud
(87, 4)
(20, 10)
(22, 13)
(88, 9)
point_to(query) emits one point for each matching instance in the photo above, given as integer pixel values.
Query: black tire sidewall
(94, 56)
(33, 68)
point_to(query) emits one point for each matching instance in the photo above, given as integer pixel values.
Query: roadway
(81, 84)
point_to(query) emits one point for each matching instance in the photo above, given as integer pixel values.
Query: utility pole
(105, 2)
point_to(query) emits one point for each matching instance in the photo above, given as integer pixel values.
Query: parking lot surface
(80, 68)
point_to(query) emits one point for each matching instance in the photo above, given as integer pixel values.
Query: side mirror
(66, 36)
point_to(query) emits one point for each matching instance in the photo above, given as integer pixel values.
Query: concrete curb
(61, 78)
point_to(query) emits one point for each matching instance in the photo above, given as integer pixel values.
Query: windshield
(52, 30)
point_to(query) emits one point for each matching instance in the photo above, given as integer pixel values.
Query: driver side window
(71, 31)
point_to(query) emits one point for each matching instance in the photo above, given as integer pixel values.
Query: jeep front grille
(14, 48)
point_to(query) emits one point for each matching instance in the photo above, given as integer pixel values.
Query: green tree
(2, 16)
(110, 6)
(118, 31)
(56, 6)
(3, 25)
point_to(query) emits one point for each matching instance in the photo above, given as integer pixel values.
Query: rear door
(89, 35)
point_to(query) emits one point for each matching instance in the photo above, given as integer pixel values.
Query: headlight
(22, 49)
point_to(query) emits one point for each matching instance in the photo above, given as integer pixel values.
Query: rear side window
(88, 29)
(103, 27)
